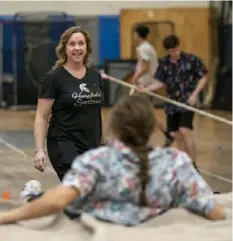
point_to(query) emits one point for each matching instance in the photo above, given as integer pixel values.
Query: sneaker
(30, 189)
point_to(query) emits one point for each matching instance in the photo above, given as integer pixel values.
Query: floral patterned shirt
(181, 78)
(109, 186)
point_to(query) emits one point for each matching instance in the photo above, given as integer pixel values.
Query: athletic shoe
(30, 189)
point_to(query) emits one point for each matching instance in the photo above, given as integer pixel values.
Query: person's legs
(172, 127)
(168, 137)
(189, 142)
(179, 140)
(185, 130)
(61, 155)
(163, 128)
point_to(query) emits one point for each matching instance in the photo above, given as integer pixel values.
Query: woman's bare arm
(41, 121)
(194, 192)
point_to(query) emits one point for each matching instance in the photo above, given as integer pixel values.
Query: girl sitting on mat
(125, 182)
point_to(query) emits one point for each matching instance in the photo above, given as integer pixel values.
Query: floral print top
(109, 186)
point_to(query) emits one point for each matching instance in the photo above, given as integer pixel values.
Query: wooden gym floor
(213, 140)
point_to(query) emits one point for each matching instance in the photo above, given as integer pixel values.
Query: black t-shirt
(76, 112)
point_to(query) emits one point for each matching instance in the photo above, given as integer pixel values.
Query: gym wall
(110, 25)
(190, 24)
(85, 8)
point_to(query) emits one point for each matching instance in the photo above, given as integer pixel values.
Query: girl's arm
(53, 201)
(77, 183)
(194, 193)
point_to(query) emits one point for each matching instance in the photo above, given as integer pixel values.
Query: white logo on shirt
(86, 97)
(84, 88)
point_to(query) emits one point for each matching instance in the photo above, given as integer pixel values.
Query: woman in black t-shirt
(72, 94)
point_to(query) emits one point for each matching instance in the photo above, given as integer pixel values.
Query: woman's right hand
(40, 160)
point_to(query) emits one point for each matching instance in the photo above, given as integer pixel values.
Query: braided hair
(133, 122)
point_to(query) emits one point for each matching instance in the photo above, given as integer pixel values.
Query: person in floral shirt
(185, 77)
(125, 182)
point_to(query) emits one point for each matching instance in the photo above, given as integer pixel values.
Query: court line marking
(18, 150)
(14, 148)
(211, 174)
(21, 152)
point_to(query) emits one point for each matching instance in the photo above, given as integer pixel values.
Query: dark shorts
(61, 155)
(177, 120)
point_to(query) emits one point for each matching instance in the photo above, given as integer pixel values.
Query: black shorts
(177, 120)
(61, 155)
